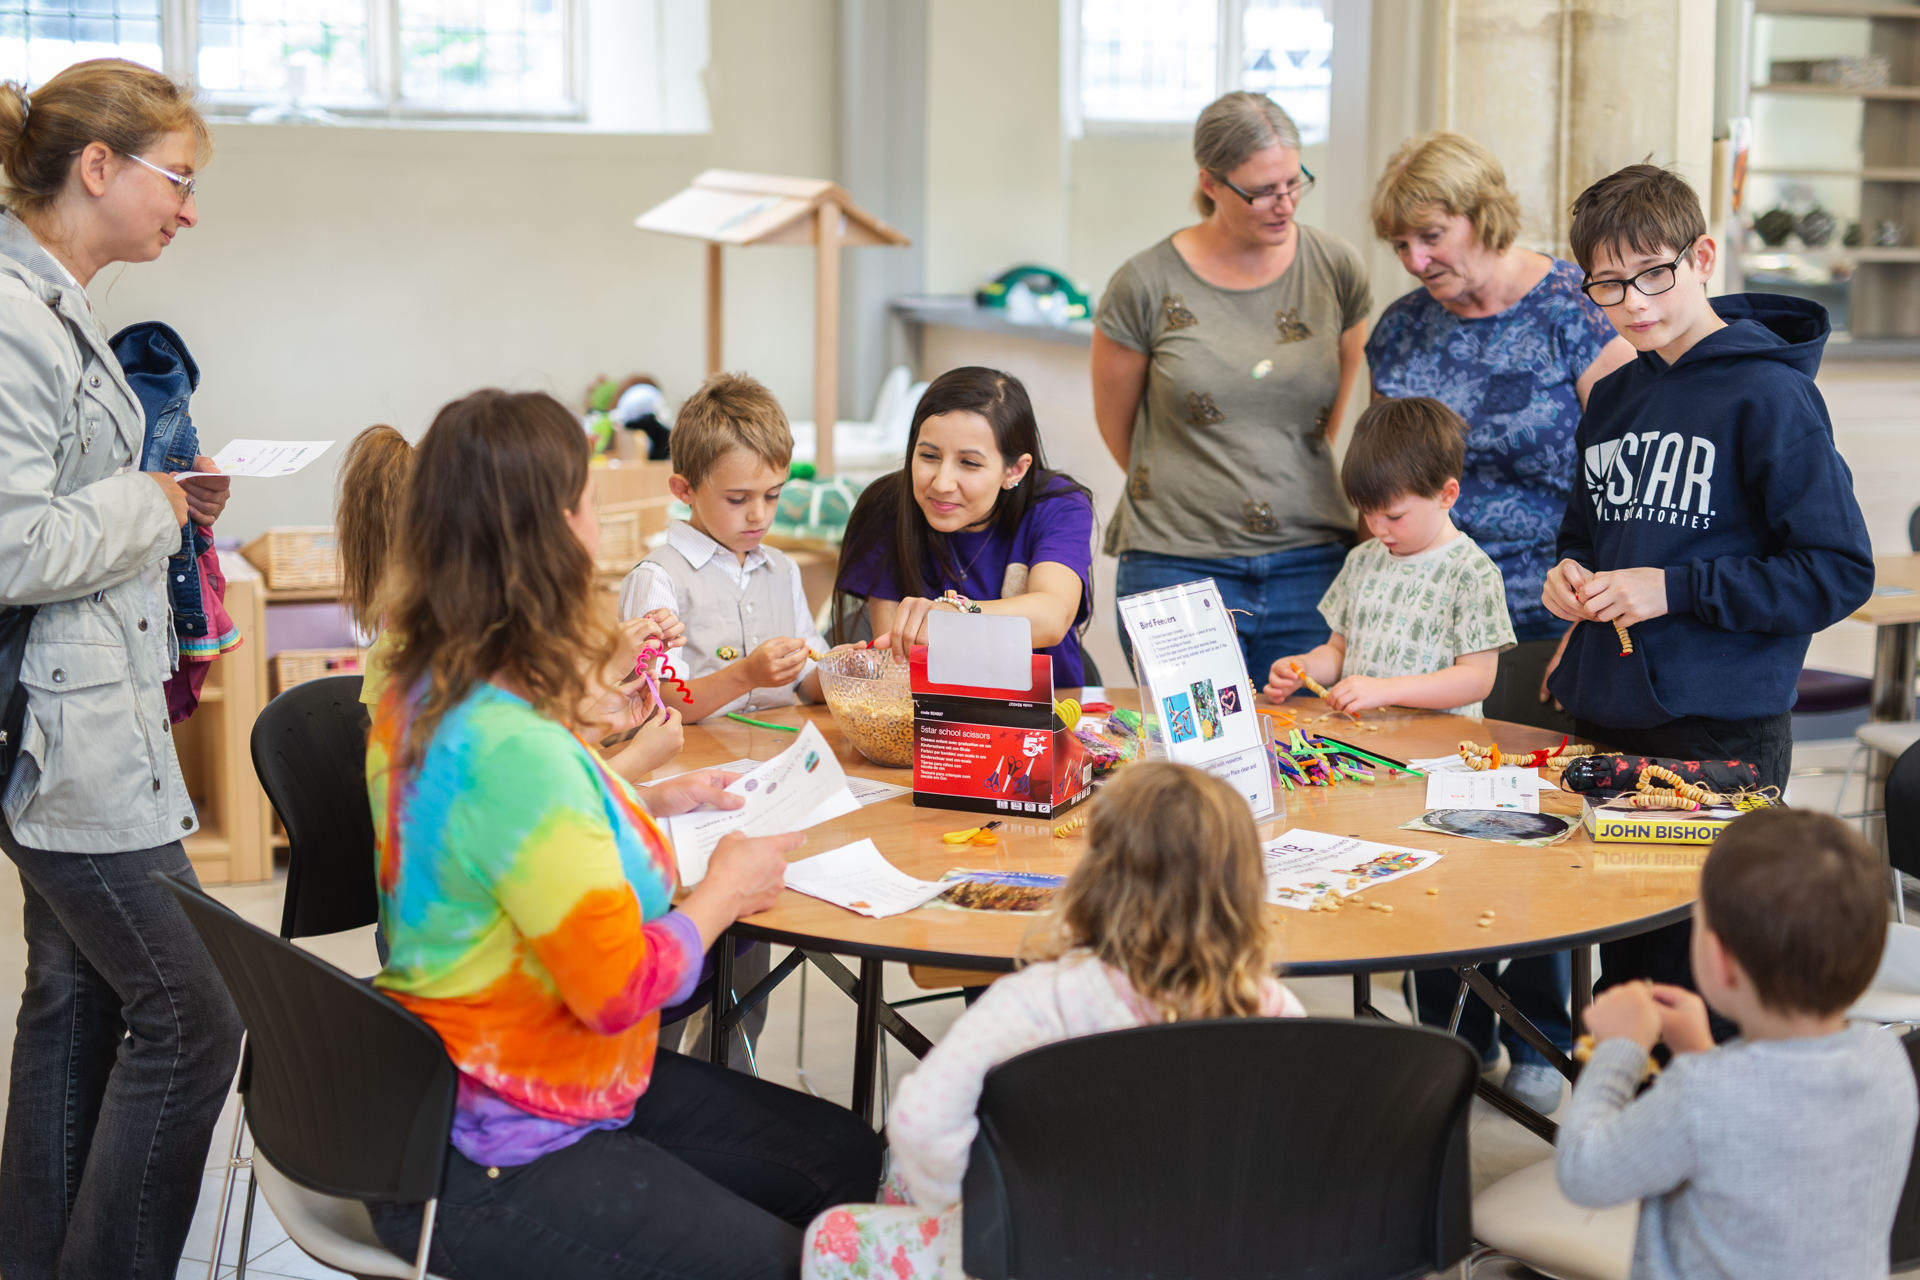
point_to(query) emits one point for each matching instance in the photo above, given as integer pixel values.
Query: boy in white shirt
(1418, 611)
(751, 638)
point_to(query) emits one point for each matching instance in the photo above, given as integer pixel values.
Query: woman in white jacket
(126, 1040)
(1163, 920)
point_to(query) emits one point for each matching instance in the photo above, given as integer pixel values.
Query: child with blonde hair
(369, 494)
(1163, 920)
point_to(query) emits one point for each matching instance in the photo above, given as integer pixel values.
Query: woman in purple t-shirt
(977, 512)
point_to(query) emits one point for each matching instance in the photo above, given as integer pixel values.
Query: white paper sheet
(1303, 866)
(857, 877)
(262, 458)
(1514, 789)
(1440, 764)
(866, 791)
(980, 650)
(799, 788)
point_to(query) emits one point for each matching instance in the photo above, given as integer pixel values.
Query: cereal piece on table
(1433, 893)
(1486, 924)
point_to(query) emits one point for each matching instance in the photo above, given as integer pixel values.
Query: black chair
(349, 1096)
(310, 752)
(1905, 1248)
(1248, 1147)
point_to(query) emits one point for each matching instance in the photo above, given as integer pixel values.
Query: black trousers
(1766, 742)
(715, 1176)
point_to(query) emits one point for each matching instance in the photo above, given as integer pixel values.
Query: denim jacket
(163, 376)
(86, 538)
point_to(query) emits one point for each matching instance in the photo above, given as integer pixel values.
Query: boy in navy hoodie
(1712, 516)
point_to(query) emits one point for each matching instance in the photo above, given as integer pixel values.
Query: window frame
(1229, 49)
(180, 56)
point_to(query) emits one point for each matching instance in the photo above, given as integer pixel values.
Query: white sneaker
(1536, 1084)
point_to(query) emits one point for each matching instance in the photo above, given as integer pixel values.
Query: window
(1156, 63)
(390, 57)
(38, 37)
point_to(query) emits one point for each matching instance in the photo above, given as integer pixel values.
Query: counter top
(961, 313)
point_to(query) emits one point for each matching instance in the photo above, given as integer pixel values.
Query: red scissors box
(999, 751)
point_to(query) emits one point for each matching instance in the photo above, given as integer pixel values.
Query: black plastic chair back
(310, 752)
(1245, 1147)
(347, 1093)
(1906, 1220)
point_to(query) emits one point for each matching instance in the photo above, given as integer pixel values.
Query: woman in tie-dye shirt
(527, 897)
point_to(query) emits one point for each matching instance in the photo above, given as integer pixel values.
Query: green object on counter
(763, 724)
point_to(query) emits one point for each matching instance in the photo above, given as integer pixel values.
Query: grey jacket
(86, 538)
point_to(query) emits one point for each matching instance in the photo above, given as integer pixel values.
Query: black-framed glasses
(182, 184)
(1291, 193)
(1652, 282)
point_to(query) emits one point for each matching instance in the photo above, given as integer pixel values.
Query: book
(1612, 822)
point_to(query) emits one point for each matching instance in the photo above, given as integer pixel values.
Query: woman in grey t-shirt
(1223, 357)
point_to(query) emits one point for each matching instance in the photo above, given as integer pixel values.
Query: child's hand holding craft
(1564, 591)
(667, 626)
(1285, 676)
(1359, 693)
(1683, 1019)
(1626, 596)
(777, 663)
(1626, 1012)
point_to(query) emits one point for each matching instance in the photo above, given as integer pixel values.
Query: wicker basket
(296, 559)
(624, 530)
(290, 667)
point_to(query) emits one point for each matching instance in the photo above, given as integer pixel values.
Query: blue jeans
(715, 1176)
(1540, 988)
(123, 1056)
(1277, 596)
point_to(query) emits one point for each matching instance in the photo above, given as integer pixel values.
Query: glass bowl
(872, 702)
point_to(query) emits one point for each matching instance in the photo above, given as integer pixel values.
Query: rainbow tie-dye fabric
(526, 897)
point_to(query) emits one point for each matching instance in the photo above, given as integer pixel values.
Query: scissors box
(995, 751)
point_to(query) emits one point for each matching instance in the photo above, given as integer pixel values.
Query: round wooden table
(1564, 897)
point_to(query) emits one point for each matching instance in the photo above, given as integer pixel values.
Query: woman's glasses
(183, 184)
(1270, 196)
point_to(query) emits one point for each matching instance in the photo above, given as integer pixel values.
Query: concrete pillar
(1566, 91)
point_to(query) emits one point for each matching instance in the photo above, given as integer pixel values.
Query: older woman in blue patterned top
(1504, 337)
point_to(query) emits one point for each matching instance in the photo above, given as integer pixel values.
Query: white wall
(996, 186)
(346, 276)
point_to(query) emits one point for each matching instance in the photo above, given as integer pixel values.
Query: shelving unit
(1873, 289)
(232, 845)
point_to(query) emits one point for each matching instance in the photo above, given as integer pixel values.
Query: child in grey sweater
(1783, 1153)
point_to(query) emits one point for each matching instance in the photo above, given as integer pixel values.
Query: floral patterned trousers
(892, 1240)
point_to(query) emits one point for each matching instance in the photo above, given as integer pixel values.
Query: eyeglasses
(185, 185)
(1652, 282)
(1291, 193)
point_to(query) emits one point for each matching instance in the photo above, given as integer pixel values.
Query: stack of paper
(856, 877)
